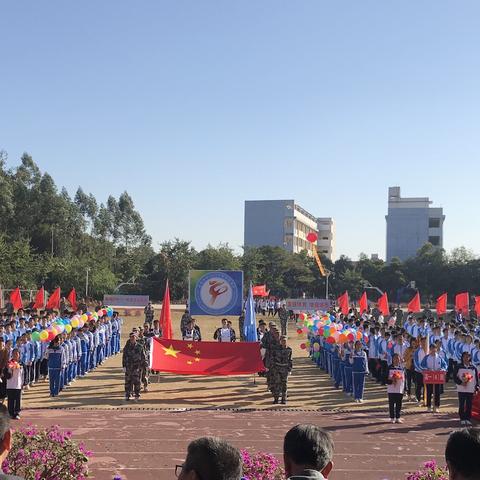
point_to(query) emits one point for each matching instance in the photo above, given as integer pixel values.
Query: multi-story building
(411, 223)
(326, 237)
(281, 223)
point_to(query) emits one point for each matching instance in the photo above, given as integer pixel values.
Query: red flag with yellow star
(205, 358)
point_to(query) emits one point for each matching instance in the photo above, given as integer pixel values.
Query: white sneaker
(419, 404)
(436, 409)
(392, 420)
(468, 423)
(360, 400)
(399, 420)
(429, 409)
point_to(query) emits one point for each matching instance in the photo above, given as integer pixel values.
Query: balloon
(320, 331)
(51, 335)
(84, 317)
(110, 313)
(312, 237)
(330, 340)
(359, 335)
(342, 338)
(389, 344)
(336, 336)
(326, 333)
(68, 328)
(350, 337)
(43, 335)
(299, 331)
(60, 328)
(316, 355)
(303, 346)
(301, 316)
(74, 323)
(316, 347)
(35, 336)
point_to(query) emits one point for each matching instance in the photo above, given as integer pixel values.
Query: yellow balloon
(43, 335)
(74, 323)
(68, 328)
(84, 317)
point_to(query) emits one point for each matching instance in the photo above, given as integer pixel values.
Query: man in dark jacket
(307, 453)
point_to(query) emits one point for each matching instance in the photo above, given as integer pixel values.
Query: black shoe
(284, 401)
(275, 401)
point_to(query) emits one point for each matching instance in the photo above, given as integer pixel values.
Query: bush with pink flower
(46, 454)
(261, 466)
(430, 471)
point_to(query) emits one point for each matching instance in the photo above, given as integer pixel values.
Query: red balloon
(299, 331)
(350, 337)
(330, 340)
(303, 346)
(320, 331)
(312, 237)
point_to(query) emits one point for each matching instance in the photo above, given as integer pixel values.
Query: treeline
(49, 238)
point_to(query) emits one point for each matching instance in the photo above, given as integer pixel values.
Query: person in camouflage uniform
(144, 341)
(133, 361)
(280, 367)
(283, 316)
(270, 342)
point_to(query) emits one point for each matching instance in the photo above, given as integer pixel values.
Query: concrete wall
(264, 222)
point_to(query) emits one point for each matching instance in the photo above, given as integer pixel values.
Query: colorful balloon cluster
(324, 325)
(62, 325)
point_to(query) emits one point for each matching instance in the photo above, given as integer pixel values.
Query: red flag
(383, 304)
(442, 304)
(40, 299)
(363, 303)
(54, 300)
(414, 304)
(16, 299)
(260, 291)
(343, 303)
(462, 303)
(206, 358)
(165, 315)
(72, 298)
(477, 306)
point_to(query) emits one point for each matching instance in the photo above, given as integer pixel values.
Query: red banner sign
(434, 377)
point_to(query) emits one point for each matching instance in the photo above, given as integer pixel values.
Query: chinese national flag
(40, 299)
(442, 304)
(343, 303)
(72, 298)
(260, 291)
(477, 306)
(363, 303)
(414, 304)
(205, 358)
(165, 315)
(16, 299)
(383, 304)
(462, 303)
(54, 300)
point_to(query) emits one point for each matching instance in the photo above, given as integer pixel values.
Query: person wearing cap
(280, 367)
(133, 362)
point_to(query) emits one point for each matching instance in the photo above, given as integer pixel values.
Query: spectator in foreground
(307, 453)
(462, 454)
(210, 458)
(5, 441)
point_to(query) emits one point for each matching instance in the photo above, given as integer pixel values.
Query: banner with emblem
(205, 358)
(216, 292)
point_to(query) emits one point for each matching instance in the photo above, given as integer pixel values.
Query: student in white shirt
(466, 378)
(14, 376)
(395, 388)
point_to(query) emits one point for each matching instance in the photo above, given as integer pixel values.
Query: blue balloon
(110, 313)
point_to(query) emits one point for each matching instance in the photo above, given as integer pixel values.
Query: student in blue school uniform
(337, 372)
(395, 388)
(55, 358)
(347, 385)
(359, 363)
(433, 362)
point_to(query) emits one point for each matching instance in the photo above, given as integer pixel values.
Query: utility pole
(86, 285)
(328, 273)
(52, 241)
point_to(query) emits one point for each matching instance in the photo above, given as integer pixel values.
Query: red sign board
(434, 377)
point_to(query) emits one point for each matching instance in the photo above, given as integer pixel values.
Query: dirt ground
(309, 387)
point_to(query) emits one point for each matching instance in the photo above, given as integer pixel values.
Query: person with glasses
(210, 458)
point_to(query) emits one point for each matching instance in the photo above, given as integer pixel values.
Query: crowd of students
(26, 360)
(397, 354)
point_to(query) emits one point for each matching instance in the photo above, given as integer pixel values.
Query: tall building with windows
(326, 237)
(411, 222)
(282, 223)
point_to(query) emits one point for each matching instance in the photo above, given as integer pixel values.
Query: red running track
(146, 444)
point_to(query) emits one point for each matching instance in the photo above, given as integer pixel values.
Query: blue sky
(195, 106)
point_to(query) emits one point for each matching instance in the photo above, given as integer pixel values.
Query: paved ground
(145, 440)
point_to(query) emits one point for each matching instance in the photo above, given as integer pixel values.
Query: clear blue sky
(195, 106)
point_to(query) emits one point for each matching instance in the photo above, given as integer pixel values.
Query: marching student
(395, 388)
(418, 357)
(466, 378)
(359, 363)
(14, 376)
(55, 357)
(433, 362)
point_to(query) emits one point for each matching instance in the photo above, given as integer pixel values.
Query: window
(324, 251)
(435, 240)
(433, 222)
(324, 238)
